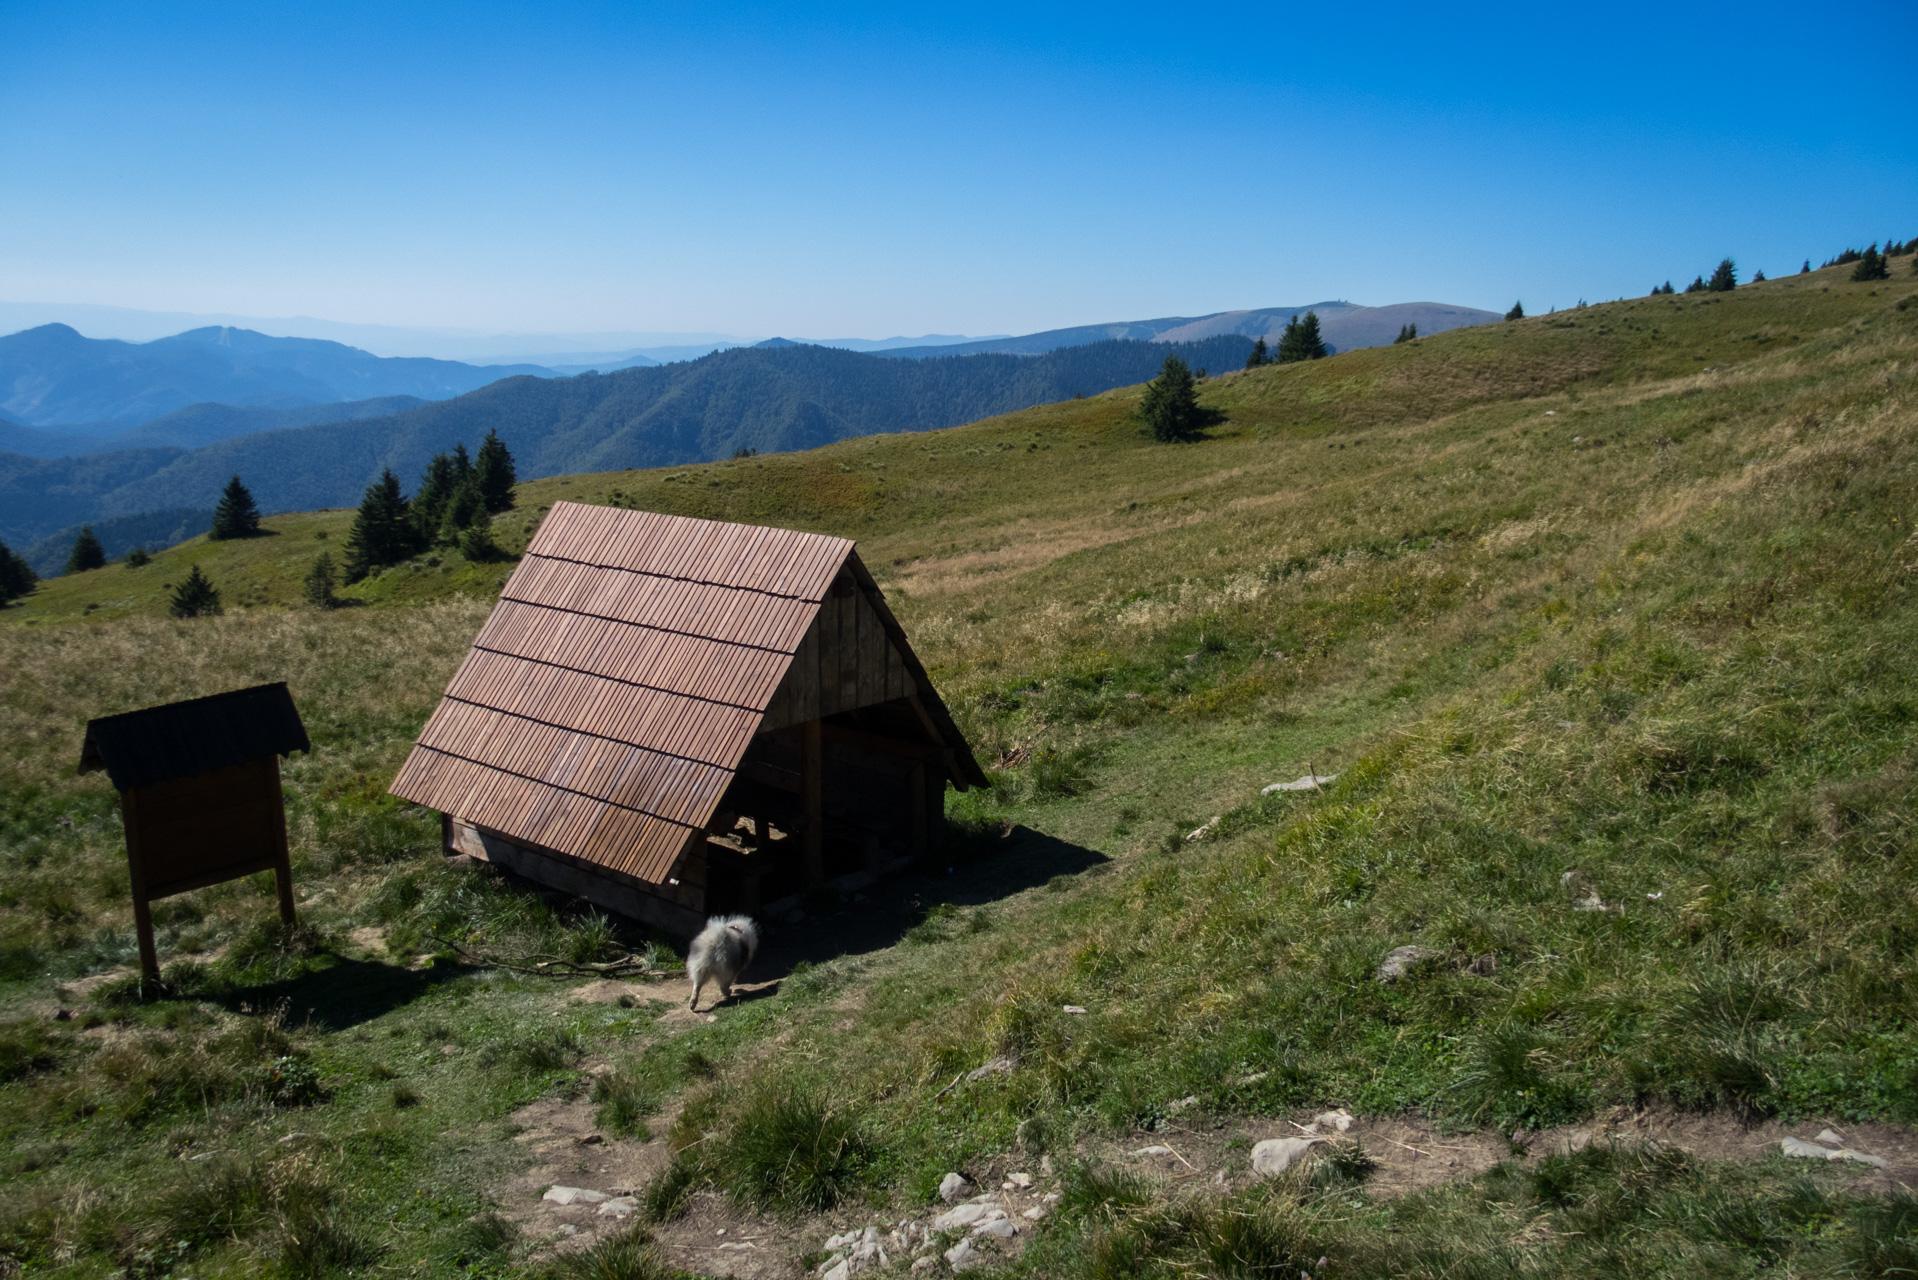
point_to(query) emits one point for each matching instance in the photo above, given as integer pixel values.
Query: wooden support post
(918, 784)
(136, 869)
(812, 794)
(283, 868)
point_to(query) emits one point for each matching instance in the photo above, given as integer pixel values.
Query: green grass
(1624, 592)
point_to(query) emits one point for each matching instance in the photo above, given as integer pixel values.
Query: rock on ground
(1398, 960)
(1275, 1155)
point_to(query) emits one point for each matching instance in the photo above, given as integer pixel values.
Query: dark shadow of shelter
(981, 871)
(345, 994)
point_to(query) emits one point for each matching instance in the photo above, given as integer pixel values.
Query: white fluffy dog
(720, 954)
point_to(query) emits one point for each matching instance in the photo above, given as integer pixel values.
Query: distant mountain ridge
(193, 426)
(771, 400)
(1345, 325)
(53, 375)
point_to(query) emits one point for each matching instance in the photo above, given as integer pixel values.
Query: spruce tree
(1171, 404)
(1871, 266)
(87, 552)
(382, 533)
(1724, 277)
(476, 539)
(494, 472)
(320, 583)
(1301, 340)
(195, 598)
(462, 509)
(1517, 312)
(1696, 286)
(1407, 332)
(1806, 269)
(236, 516)
(138, 558)
(17, 577)
(1259, 355)
(429, 500)
(1758, 276)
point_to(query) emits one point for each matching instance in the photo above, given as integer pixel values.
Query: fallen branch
(554, 967)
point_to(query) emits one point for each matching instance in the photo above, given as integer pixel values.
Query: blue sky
(866, 172)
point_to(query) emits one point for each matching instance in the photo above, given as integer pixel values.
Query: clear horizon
(514, 169)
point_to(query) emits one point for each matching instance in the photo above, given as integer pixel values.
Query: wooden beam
(283, 862)
(812, 795)
(878, 744)
(136, 868)
(920, 843)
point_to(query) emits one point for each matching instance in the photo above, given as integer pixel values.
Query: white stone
(1150, 1151)
(1035, 1213)
(1275, 1155)
(1306, 782)
(1339, 1121)
(619, 1207)
(1811, 1150)
(952, 1186)
(739, 1245)
(841, 1272)
(963, 1257)
(1175, 1107)
(1399, 959)
(1049, 1199)
(1827, 1136)
(962, 1216)
(998, 1228)
(926, 1263)
(997, 1067)
(1590, 902)
(1019, 1181)
(1200, 833)
(1073, 1008)
(574, 1195)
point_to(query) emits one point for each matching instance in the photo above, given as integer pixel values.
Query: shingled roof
(611, 695)
(183, 739)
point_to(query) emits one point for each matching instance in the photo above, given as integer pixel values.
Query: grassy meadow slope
(1604, 619)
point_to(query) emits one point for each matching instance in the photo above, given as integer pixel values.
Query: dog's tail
(743, 928)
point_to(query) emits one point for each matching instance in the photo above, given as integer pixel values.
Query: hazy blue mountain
(794, 397)
(193, 426)
(52, 375)
(1345, 325)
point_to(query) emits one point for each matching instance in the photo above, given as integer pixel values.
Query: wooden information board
(199, 785)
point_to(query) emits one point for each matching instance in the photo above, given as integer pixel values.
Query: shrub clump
(790, 1148)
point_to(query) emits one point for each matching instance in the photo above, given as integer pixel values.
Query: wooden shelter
(670, 717)
(199, 785)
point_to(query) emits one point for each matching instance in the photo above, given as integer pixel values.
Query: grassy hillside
(1604, 620)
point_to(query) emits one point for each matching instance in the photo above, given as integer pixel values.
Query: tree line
(453, 506)
(457, 497)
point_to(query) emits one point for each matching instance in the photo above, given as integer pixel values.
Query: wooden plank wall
(676, 908)
(846, 661)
